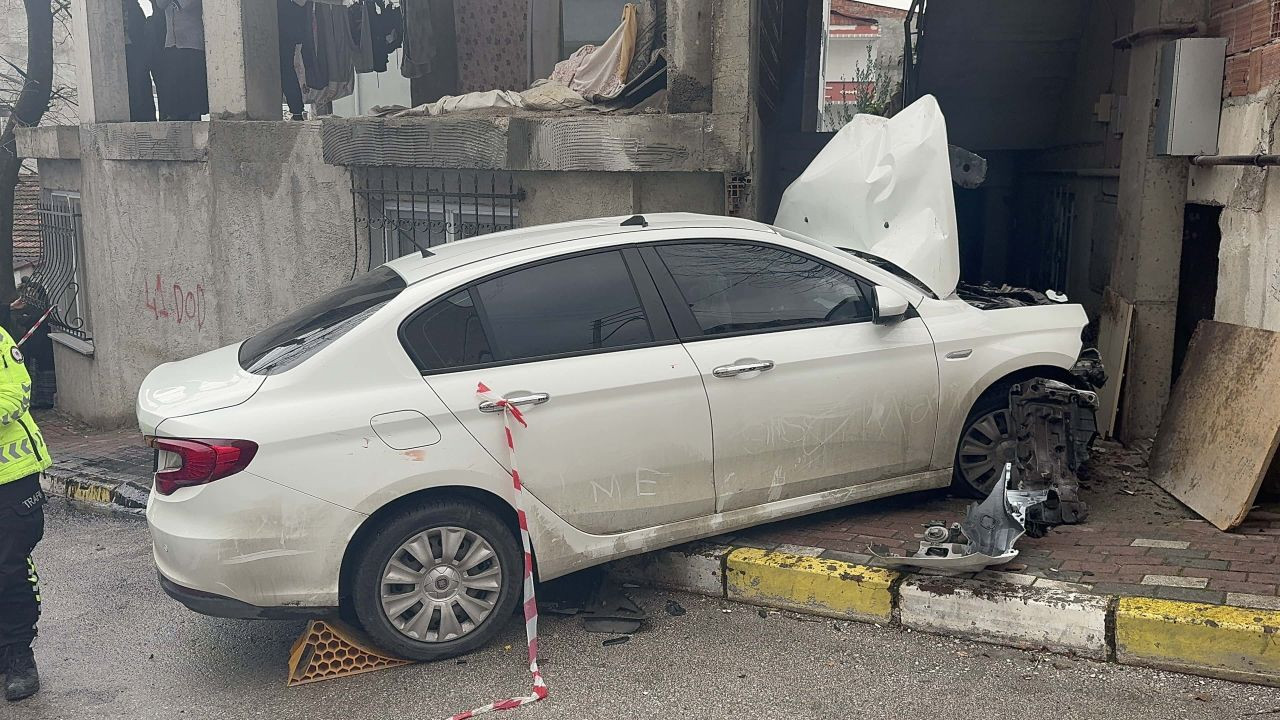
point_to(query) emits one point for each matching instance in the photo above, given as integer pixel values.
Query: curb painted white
(696, 568)
(1026, 617)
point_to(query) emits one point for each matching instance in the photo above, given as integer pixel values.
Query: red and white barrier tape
(33, 327)
(511, 412)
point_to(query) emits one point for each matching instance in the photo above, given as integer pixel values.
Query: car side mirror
(889, 306)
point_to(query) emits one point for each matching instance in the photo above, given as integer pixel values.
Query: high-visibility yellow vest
(22, 448)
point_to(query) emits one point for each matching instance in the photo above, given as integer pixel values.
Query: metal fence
(403, 210)
(57, 280)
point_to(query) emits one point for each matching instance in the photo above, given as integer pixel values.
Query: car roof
(415, 267)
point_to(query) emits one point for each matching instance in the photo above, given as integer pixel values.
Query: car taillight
(203, 461)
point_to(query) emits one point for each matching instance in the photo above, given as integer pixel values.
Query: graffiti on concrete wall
(175, 302)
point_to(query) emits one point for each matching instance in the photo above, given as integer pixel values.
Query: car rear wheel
(437, 580)
(985, 443)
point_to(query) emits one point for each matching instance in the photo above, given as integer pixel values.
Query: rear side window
(307, 330)
(448, 334)
(735, 288)
(578, 304)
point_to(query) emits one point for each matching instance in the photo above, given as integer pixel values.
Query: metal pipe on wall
(1165, 30)
(1254, 160)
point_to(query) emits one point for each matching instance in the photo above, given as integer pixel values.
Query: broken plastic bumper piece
(1054, 425)
(984, 538)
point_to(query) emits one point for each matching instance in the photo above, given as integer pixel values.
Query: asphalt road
(113, 646)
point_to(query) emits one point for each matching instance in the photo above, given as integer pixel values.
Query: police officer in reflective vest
(23, 456)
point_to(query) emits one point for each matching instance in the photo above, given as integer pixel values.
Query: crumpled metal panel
(883, 186)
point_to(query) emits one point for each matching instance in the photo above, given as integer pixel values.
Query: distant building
(27, 243)
(863, 52)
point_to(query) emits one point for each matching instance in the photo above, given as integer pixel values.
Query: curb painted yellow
(1216, 640)
(811, 585)
(89, 493)
(85, 491)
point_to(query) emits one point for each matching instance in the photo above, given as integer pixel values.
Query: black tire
(377, 551)
(993, 404)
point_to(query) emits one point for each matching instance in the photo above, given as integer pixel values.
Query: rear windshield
(307, 330)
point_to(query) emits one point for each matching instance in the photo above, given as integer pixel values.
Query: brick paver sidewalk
(114, 457)
(1137, 541)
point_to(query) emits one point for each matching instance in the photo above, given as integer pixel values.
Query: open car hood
(883, 186)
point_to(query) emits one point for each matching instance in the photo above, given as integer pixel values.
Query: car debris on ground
(602, 604)
(1054, 425)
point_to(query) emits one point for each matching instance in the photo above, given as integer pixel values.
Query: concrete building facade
(194, 235)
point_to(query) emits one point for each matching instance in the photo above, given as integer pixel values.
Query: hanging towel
(185, 24)
(419, 38)
(362, 34)
(335, 52)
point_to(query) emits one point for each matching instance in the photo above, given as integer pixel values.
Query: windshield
(891, 268)
(307, 330)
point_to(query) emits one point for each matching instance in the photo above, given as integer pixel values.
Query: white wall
(388, 88)
(846, 54)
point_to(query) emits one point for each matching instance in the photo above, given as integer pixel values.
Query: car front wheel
(437, 580)
(986, 443)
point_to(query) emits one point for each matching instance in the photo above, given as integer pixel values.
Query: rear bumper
(220, 606)
(246, 540)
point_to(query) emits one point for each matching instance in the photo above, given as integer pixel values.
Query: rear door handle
(728, 371)
(492, 406)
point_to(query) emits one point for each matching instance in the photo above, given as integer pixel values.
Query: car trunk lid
(883, 186)
(210, 381)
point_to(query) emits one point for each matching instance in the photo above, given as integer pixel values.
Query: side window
(447, 334)
(573, 305)
(580, 303)
(731, 287)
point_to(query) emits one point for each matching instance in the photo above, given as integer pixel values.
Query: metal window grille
(1061, 214)
(57, 281)
(403, 210)
(736, 189)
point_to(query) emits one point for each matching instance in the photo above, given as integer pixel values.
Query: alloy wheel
(441, 584)
(984, 449)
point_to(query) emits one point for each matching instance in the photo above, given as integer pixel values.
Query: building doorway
(1197, 276)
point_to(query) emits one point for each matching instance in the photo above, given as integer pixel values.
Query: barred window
(399, 211)
(57, 282)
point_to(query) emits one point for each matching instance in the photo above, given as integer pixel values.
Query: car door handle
(728, 371)
(492, 406)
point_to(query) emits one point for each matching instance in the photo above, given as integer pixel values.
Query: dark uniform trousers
(21, 528)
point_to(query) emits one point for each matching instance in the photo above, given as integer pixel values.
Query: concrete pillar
(1153, 192)
(102, 82)
(689, 26)
(242, 51)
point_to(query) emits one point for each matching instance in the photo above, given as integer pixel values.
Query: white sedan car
(682, 376)
(681, 379)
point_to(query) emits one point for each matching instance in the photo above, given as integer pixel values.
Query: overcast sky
(901, 4)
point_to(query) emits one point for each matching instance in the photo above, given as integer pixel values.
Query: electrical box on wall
(1189, 96)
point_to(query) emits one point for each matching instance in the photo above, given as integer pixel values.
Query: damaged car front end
(1054, 425)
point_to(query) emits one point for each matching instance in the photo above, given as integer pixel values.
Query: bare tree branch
(28, 109)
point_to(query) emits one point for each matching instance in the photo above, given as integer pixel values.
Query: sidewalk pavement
(1138, 540)
(110, 468)
(1144, 581)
